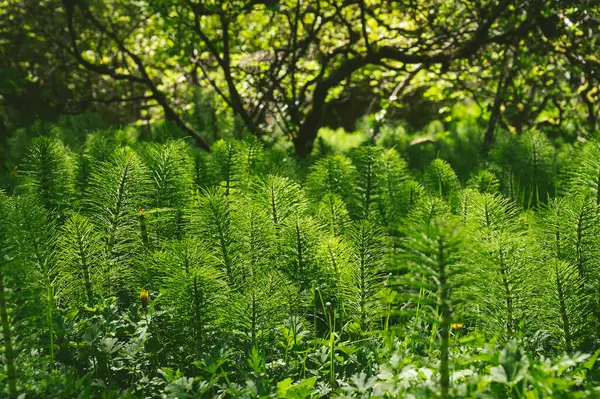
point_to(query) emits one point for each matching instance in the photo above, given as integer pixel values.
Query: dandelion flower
(144, 298)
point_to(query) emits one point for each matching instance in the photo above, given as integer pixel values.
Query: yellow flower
(140, 212)
(457, 325)
(144, 298)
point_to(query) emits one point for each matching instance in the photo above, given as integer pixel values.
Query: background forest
(299, 199)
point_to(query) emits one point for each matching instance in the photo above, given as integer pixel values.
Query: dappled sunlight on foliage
(299, 199)
(148, 269)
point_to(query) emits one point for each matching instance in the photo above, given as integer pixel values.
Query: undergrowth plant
(151, 269)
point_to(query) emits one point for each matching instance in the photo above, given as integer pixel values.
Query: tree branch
(158, 96)
(308, 130)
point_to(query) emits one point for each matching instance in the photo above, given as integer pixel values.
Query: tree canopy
(292, 66)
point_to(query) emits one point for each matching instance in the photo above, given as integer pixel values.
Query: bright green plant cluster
(136, 269)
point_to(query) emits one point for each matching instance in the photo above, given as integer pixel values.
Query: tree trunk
(505, 80)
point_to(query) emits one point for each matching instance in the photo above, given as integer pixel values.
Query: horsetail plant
(5, 257)
(244, 273)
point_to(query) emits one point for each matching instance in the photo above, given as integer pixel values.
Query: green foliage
(34, 237)
(211, 220)
(333, 174)
(168, 272)
(366, 161)
(568, 313)
(171, 175)
(395, 193)
(196, 291)
(171, 193)
(584, 175)
(505, 278)
(333, 213)
(299, 199)
(296, 252)
(7, 338)
(507, 281)
(436, 257)
(484, 181)
(118, 189)
(365, 274)
(439, 178)
(233, 162)
(80, 269)
(47, 174)
(280, 197)
(527, 167)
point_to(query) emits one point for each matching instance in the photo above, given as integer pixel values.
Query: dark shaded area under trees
(287, 65)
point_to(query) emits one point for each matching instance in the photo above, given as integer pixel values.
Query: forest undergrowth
(155, 269)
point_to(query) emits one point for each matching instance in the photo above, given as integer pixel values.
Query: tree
(280, 65)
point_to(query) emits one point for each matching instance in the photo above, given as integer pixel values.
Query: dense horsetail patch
(154, 269)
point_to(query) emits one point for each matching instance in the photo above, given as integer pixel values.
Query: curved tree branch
(144, 79)
(307, 132)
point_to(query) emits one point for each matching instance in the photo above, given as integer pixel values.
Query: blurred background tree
(282, 69)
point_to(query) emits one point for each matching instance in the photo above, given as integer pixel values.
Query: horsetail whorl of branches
(233, 274)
